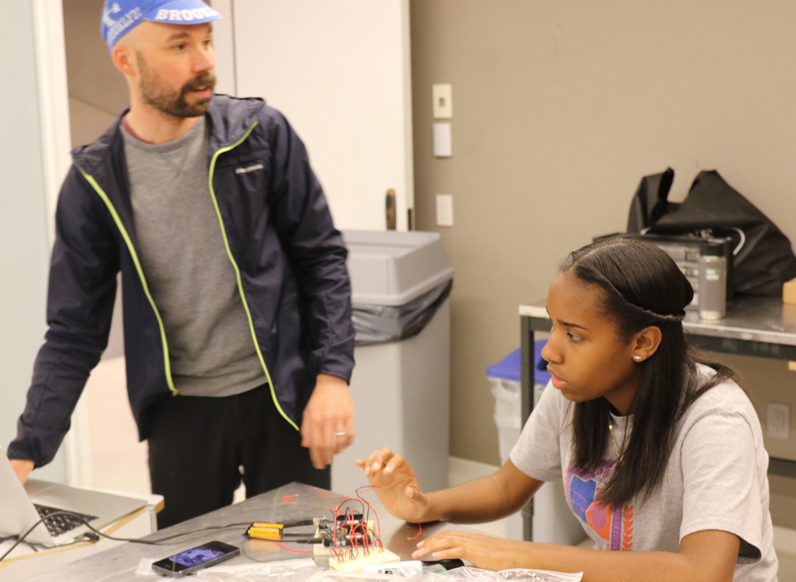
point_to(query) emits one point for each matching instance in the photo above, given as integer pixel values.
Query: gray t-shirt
(716, 479)
(185, 262)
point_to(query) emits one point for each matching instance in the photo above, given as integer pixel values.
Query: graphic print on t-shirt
(614, 526)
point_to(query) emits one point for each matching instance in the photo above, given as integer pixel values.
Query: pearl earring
(637, 358)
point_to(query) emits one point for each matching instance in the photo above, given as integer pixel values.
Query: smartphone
(195, 559)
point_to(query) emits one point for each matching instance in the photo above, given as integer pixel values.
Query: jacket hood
(228, 117)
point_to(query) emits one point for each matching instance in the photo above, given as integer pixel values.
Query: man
(236, 297)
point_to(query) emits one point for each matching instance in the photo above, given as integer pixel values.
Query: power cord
(21, 539)
(95, 534)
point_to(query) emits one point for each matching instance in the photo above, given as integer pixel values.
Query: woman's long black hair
(641, 286)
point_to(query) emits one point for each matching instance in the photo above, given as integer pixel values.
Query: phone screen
(196, 558)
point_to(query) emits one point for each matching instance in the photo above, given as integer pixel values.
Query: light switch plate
(443, 101)
(444, 210)
(778, 421)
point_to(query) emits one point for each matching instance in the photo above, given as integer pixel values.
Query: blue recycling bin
(505, 380)
(553, 522)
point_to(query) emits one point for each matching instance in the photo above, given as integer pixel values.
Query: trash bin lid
(392, 268)
(510, 367)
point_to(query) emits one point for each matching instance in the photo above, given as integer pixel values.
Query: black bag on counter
(762, 256)
(650, 202)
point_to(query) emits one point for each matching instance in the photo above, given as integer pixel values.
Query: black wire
(252, 558)
(26, 534)
(345, 505)
(21, 539)
(30, 545)
(160, 541)
(307, 540)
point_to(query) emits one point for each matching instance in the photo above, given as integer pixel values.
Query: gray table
(755, 326)
(119, 563)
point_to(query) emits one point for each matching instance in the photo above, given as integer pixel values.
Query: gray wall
(560, 107)
(24, 248)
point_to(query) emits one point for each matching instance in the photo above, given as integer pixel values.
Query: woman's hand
(704, 555)
(483, 551)
(397, 487)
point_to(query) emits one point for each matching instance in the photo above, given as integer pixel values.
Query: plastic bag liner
(377, 324)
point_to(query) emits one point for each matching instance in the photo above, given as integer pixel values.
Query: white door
(340, 72)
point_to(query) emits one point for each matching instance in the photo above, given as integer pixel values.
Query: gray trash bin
(401, 383)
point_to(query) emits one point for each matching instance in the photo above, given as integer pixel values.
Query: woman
(661, 452)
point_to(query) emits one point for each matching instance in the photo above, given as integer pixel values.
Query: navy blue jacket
(287, 255)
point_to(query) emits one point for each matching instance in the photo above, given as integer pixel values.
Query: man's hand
(327, 426)
(22, 467)
(397, 487)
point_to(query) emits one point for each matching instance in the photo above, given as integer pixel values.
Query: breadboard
(359, 563)
(322, 550)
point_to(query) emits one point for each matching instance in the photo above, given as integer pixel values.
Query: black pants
(197, 444)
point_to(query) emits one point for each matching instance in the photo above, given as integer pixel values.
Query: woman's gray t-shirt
(716, 478)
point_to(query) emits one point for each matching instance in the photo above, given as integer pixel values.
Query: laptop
(22, 506)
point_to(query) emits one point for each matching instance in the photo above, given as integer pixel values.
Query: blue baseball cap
(120, 16)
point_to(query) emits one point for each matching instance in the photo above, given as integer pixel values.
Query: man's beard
(170, 102)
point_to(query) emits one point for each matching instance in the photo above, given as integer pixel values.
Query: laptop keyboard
(61, 523)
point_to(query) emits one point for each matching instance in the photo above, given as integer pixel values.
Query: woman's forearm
(484, 499)
(608, 566)
(705, 556)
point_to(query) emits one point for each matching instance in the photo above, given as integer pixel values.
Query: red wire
(365, 541)
(335, 553)
(286, 497)
(348, 522)
(292, 550)
(354, 551)
(339, 555)
(420, 528)
(368, 489)
(378, 523)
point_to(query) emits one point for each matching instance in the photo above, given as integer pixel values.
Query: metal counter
(119, 563)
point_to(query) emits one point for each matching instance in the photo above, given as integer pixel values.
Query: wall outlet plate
(444, 210)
